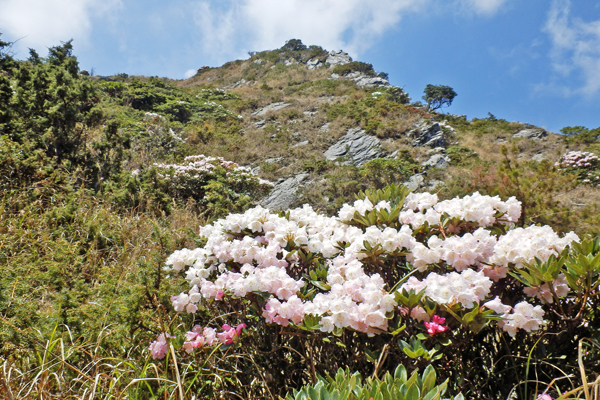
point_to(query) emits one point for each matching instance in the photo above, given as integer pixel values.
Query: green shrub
(381, 172)
(348, 386)
(354, 66)
(461, 155)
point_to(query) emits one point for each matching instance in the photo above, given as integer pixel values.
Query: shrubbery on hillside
(424, 276)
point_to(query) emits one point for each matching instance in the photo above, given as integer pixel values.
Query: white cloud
(44, 23)
(352, 25)
(189, 73)
(482, 7)
(575, 49)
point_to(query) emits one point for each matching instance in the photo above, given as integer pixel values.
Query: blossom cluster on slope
(458, 261)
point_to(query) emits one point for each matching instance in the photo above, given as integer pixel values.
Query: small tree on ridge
(438, 96)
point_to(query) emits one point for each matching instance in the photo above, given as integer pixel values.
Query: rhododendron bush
(585, 164)
(395, 265)
(218, 185)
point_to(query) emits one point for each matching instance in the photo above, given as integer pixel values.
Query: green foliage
(52, 105)
(580, 135)
(293, 49)
(461, 155)
(381, 172)
(399, 386)
(354, 66)
(380, 115)
(438, 96)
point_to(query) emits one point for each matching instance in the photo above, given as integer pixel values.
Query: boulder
(418, 181)
(284, 193)
(338, 57)
(357, 146)
(440, 161)
(300, 144)
(415, 182)
(271, 107)
(365, 80)
(371, 81)
(426, 133)
(531, 133)
(539, 157)
(313, 63)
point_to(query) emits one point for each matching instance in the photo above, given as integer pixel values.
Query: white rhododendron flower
(261, 252)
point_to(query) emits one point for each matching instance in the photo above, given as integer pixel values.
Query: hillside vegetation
(103, 178)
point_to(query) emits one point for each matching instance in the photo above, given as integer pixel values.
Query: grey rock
(271, 107)
(300, 144)
(372, 81)
(531, 133)
(539, 157)
(338, 57)
(313, 63)
(335, 76)
(436, 150)
(426, 133)
(238, 83)
(415, 182)
(259, 61)
(437, 161)
(324, 127)
(284, 193)
(418, 181)
(260, 124)
(366, 81)
(310, 114)
(357, 146)
(290, 61)
(434, 184)
(273, 160)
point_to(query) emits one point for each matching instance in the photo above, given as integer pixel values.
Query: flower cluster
(436, 325)
(467, 288)
(544, 293)
(585, 164)
(265, 253)
(197, 338)
(160, 347)
(484, 211)
(191, 177)
(523, 245)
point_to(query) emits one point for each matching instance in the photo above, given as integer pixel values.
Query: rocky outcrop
(356, 146)
(440, 161)
(531, 133)
(284, 193)
(338, 57)
(427, 133)
(270, 107)
(313, 63)
(371, 81)
(364, 80)
(418, 181)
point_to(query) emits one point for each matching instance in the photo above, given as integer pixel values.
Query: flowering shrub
(220, 185)
(197, 338)
(393, 263)
(585, 164)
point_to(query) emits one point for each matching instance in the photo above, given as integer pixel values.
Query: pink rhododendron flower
(160, 346)
(435, 326)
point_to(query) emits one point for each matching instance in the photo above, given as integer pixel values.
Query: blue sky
(535, 61)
